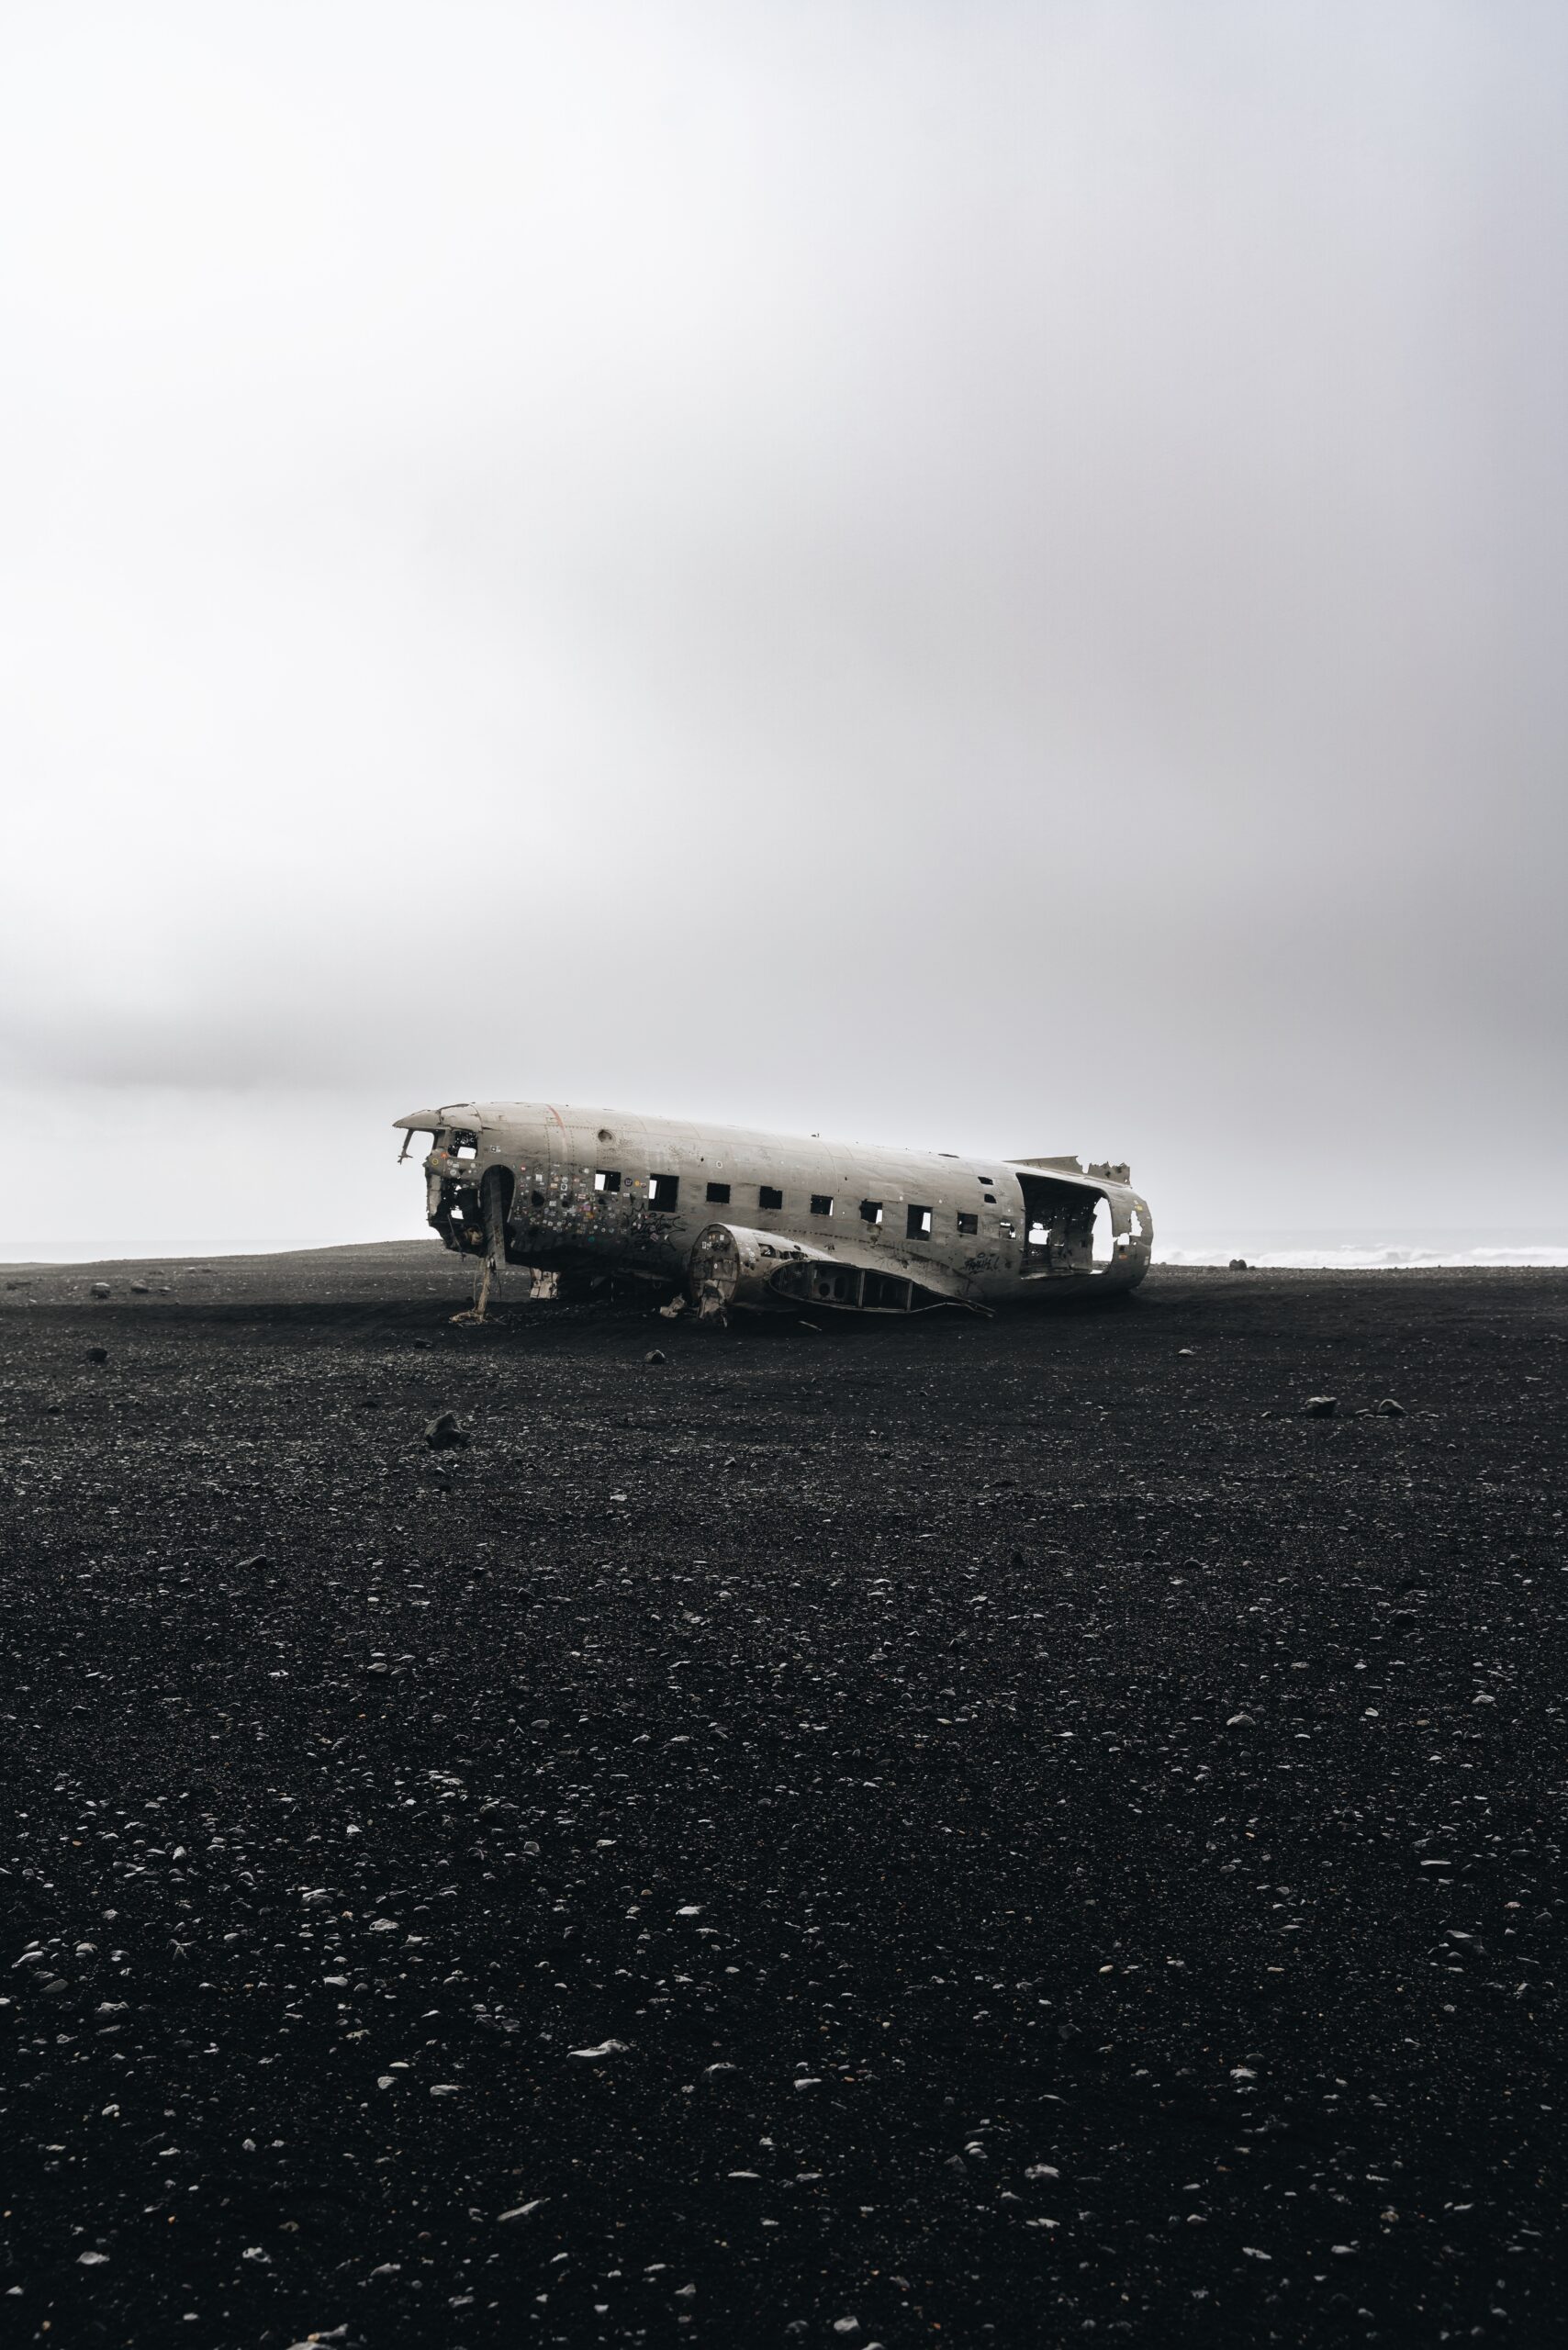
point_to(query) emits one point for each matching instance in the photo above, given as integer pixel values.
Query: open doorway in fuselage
(1066, 1228)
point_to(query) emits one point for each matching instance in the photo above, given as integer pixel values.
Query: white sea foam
(1369, 1260)
(1380, 1252)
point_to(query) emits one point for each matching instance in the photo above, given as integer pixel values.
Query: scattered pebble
(446, 1433)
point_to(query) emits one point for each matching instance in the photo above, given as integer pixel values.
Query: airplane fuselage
(770, 1219)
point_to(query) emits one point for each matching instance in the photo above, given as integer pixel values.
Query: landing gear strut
(493, 1208)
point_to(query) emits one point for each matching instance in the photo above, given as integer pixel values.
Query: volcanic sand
(961, 1831)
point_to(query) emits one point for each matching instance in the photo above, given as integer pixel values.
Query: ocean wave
(1373, 1260)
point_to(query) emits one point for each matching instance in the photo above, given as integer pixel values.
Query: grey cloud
(990, 575)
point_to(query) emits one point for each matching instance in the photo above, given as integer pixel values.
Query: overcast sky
(970, 574)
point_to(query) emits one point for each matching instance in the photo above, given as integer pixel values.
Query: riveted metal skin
(773, 1221)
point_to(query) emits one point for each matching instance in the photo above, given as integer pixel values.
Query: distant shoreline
(427, 1252)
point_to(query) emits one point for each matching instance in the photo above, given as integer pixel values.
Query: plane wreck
(738, 1219)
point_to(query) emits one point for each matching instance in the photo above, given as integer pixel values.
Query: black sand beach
(949, 1832)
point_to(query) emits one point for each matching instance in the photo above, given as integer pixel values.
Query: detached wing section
(742, 1267)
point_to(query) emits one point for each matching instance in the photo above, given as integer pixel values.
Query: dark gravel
(952, 1833)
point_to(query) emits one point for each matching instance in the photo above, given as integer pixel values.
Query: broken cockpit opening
(468, 1212)
(457, 1209)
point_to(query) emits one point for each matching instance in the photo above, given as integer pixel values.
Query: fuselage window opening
(820, 1203)
(968, 1224)
(989, 1198)
(664, 1190)
(917, 1223)
(607, 1179)
(871, 1210)
(720, 1194)
(767, 1197)
(464, 1146)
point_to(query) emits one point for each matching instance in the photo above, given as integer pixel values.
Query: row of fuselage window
(664, 1193)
